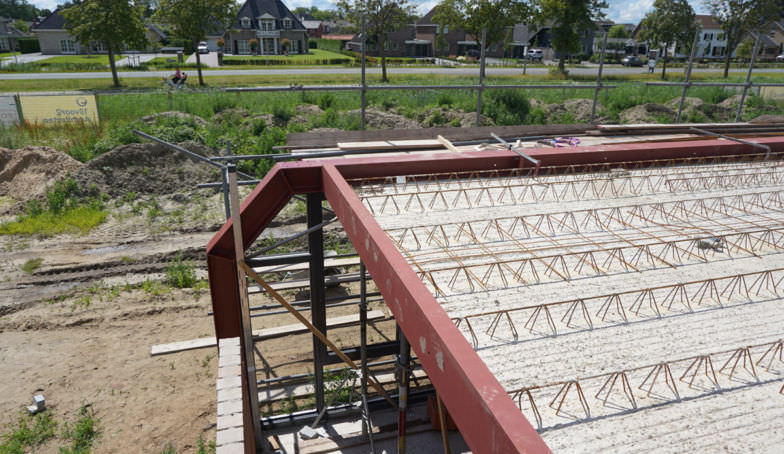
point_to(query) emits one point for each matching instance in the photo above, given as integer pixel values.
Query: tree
(382, 18)
(571, 19)
(112, 23)
(473, 16)
(192, 19)
(740, 17)
(19, 9)
(670, 21)
(618, 32)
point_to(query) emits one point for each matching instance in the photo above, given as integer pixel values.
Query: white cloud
(46, 4)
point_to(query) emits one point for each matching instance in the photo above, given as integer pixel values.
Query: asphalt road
(460, 71)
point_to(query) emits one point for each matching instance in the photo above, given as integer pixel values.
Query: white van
(535, 54)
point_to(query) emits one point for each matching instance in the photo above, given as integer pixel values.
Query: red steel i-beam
(486, 416)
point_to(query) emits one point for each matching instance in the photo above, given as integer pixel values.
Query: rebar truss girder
(620, 382)
(617, 308)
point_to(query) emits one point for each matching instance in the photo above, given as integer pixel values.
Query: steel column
(748, 79)
(317, 293)
(599, 78)
(480, 88)
(688, 74)
(404, 364)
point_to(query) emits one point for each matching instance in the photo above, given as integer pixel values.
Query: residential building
(9, 35)
(55, 39)
(425, 38)
(269, 22)
(712, 42)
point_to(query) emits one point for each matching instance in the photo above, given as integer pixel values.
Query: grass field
(314, 57)
(80, 59)
(25, 85)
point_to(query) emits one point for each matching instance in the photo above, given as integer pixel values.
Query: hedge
(29, 45)
(255, 61)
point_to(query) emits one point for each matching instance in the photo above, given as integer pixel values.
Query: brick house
(269, 22)
(425, 38)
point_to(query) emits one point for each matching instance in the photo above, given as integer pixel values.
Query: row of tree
(117, 23)
(669, 22)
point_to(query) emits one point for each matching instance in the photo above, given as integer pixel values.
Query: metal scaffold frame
(470, 392)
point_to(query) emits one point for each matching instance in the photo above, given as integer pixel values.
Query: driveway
(24, 58)
(210, 59)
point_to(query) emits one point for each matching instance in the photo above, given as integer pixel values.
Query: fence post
(688, 74)
(748, 79)
(599, 78)
(480, 88)
(364, 84)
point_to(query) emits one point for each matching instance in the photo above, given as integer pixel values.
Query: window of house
(446, 29)
(720, 37)
(707, 37)
(67, 46)
(243, 47)
(386, 45)
(287, 23)
(5, 44)
(267, 25)
(99, 47)
(245, 22)
(395, 45)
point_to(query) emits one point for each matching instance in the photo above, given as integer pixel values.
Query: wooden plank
(390, 145)
(267, 333)
(302, 283)
(652, 126)
(301, 140)
(447, 144)
(328, 263)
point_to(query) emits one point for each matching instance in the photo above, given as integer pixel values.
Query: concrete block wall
(230, 434)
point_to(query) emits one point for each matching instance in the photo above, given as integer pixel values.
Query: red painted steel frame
(486, 416)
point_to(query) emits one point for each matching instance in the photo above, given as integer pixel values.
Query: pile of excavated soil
(692, 105)
(147, 168)
(174, 114)
(442, 116)
(647, 113)
(378, 119)
(26, 173)
(579, 109)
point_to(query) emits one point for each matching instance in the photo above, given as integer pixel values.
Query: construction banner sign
(8, 113)
(58, 110)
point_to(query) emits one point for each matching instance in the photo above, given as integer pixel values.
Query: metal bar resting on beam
(734, 139)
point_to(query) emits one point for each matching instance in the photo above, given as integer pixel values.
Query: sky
(629, 11)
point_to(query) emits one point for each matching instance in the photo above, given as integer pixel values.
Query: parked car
(473, 53)
(780, 57)
(535, 54)
(203, 48)
(631, 60)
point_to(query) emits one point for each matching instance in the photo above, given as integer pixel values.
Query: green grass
(316, 56)
(72, 220)
(83, 433)
(76, 59)
(181, 273)
(8, 54)
(27, 433)
(31, 265)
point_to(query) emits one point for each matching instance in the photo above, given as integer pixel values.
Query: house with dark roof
(55, 39)
(9, 35)
(272, 24)
(425, 38)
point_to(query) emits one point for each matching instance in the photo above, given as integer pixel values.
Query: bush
(29, 45)
(507, 107)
